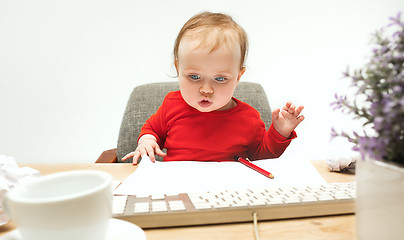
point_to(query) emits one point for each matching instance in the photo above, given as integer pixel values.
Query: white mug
(63, 206)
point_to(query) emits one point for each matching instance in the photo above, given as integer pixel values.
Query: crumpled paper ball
(342, 164)
(341, 157)
(10, 176)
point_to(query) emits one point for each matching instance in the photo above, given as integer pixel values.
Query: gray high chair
(146, 99)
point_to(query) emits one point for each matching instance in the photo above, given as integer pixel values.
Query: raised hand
(285, 120)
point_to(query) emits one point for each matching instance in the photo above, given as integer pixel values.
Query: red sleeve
(272, 144)
(156, 125)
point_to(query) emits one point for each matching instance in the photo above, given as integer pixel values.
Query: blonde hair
(215, 30)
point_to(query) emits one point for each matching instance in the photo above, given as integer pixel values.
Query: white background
(67, 67)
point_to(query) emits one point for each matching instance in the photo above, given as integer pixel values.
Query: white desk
(328, 227)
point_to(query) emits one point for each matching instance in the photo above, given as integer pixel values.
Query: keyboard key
(325, 197)
(309, 199)
(142, 207)
(159, 206)
(118, 204)
(292, 200)
(258, 203)
(275, 201)
(239, 204)
(203, 206)
(176, 205)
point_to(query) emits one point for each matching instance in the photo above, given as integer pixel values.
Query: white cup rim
(13, 195)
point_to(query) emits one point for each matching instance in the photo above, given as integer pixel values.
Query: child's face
(208, 79)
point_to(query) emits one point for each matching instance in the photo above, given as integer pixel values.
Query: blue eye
(194, 77)
(220, 79)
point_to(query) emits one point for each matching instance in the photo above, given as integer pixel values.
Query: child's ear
(242, 71)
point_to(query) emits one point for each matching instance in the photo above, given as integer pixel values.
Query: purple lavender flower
(381, 84)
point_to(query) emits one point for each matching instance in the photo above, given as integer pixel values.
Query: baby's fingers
(287, 106)
(129, 155)
(292, 109)
(299, 110)
(150, 153)
(136, 157)
(159, 152)
(300, 118)
(275, 114)
(126, 156)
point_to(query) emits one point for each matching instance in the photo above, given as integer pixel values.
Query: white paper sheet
(190, 177)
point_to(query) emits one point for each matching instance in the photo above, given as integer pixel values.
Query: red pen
(254, 167)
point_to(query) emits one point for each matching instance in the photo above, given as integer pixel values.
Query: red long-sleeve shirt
(189, 134)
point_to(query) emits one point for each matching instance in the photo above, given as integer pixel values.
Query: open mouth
(205, 103)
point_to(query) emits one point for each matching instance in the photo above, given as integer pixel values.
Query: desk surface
(329, 227)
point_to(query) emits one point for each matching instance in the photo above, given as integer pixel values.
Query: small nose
(206, 89)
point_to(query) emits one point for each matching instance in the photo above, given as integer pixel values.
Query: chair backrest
(146, 99)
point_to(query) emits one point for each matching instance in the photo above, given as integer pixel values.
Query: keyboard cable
(255, 221)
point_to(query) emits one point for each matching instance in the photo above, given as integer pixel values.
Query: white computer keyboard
(186, 209)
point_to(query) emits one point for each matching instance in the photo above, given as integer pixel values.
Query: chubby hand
(147, 145)
(287, 119)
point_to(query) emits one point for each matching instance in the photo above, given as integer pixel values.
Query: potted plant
(378, 102)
